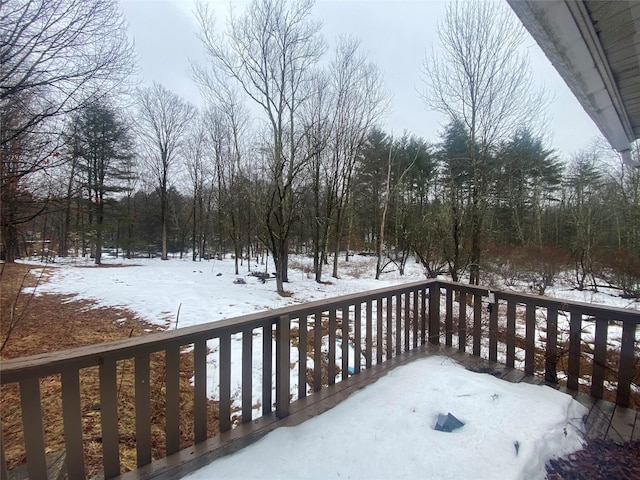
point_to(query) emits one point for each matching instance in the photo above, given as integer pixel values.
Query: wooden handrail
(591, 309)
(45, 364)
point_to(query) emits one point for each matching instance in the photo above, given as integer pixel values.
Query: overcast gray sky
(395, 34)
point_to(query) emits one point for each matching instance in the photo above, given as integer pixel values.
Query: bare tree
(61, 53)
(228, 122)
(319, 118)
(270, 51)
(360, 102)
(584, 184)
(55, 57)
(481, 78)
(164, 120)
(199, 175)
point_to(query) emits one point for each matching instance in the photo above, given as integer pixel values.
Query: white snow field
(385, 431)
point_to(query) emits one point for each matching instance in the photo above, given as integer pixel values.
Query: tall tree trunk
(385, 207)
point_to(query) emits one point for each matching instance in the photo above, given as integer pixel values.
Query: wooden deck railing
(362, 329)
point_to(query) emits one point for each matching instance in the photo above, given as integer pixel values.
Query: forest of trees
(87, 165)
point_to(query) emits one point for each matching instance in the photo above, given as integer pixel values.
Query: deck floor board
(622, 425)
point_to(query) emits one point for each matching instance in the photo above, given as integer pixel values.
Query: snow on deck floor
(386, 431)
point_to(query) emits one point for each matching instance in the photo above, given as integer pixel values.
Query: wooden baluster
(627, 361)
(108, 419)
(379, 332)
(357, 326)
(530, 339)
(369, 356)
(283, 369)
(599, 358)
(493, 330)
(407, 320)
(434, 313)
(317, 352)
(143, 410)
(345, 342)
(332, 346)
(172, 384)
(423, 316)
(389, 341)
(4, 475)
(72, 414)
(575, 337)
(448, 319)
(477, 324)
(551, 358)
(415, 315)
(302, 355)
(399, 330)
(267, 367)
(462, 322)
(247, 375)
(511, 333)
(33, 430)
(224, 405)
(200, 390)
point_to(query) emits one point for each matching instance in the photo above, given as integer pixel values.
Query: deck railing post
(283, 345)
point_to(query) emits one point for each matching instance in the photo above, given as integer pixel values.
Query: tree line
(286, 154)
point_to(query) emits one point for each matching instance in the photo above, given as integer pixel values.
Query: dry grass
(46, 323)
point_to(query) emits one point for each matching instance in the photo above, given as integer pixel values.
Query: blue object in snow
(447, 423)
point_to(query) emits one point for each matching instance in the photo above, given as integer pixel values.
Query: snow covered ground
(205, 291)
(390, 434)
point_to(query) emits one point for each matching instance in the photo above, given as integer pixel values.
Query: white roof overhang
(595, 46)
